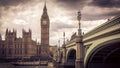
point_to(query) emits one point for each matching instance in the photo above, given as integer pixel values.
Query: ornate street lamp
(79, 18)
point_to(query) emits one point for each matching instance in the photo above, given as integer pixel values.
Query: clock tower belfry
(45, 24)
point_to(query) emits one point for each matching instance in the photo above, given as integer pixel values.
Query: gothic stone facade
(13, 47)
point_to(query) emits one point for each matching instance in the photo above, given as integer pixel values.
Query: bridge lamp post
(79, 24)
(79, 48)
(58, 51)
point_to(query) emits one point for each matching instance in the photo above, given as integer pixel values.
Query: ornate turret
(10, 33)
(26, 34)
(6, 31)
(14, 32)
(45, 9)
(45, 14)
(30, 31)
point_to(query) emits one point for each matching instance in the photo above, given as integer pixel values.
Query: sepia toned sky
(19, 14)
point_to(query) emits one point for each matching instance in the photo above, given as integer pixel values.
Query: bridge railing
(105, 25)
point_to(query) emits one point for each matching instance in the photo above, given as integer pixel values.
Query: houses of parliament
(25, 47)
(13, 47)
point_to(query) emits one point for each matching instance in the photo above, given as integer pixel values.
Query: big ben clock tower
(44, 33)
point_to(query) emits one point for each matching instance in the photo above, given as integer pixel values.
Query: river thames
(8, 65)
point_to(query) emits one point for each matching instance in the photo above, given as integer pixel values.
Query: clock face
(44, 22)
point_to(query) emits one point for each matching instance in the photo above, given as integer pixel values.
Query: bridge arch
(71, 57)
(104, 55)
(61, 56)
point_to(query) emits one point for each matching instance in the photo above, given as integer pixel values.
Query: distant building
(2, 48)
(13, 47)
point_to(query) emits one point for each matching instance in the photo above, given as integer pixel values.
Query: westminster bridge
(99, 48)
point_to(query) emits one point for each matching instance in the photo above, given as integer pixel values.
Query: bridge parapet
(71, 43)
(105, 25)
(108, 28)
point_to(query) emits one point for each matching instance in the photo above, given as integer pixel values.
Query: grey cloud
(8, 6)
(7, 3)
(104, 15)
(1, 28)
(0, 25)
(72, 4)
(0, 14)
(106, 3)
(59, 26)
(115, 13)
(69, 1)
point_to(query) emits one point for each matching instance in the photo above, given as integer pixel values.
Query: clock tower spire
(45, 14)
(45, 23)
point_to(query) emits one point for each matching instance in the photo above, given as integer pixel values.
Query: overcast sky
(19, 14)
